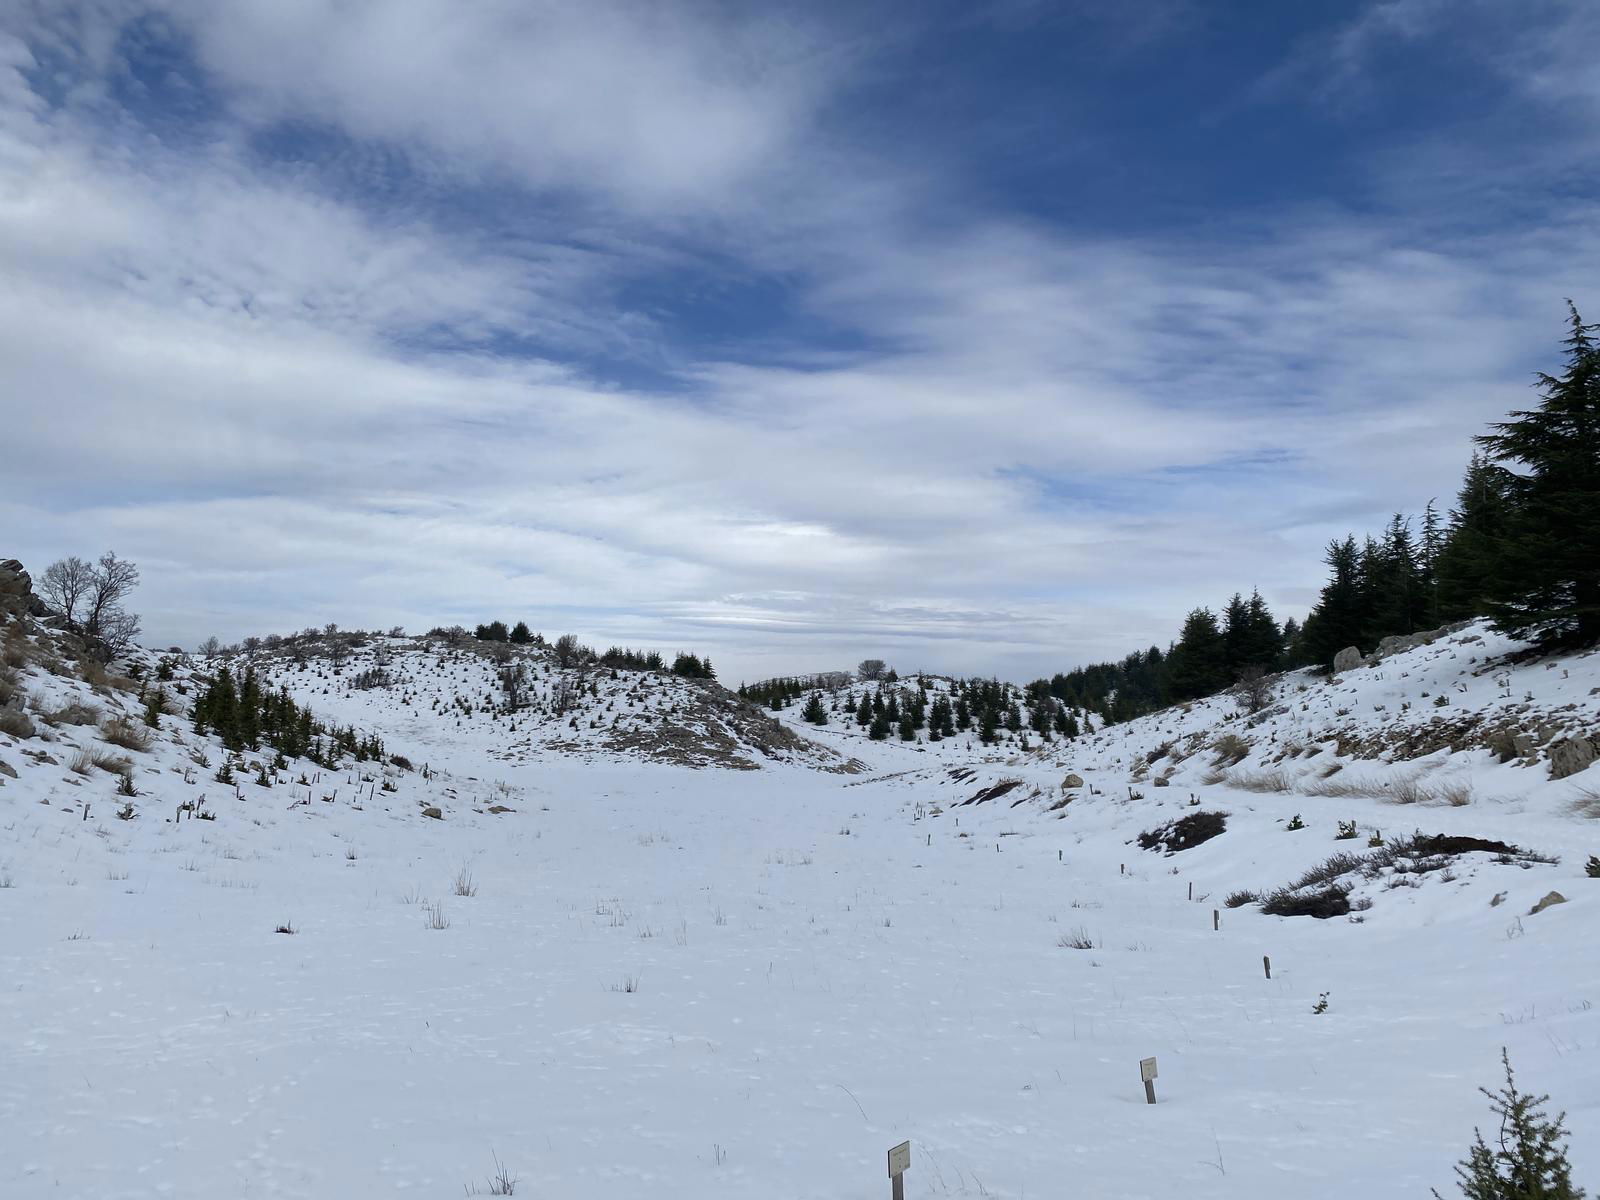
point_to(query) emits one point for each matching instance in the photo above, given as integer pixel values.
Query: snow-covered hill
(552, 942)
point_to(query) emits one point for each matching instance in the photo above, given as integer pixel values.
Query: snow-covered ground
(705, 983)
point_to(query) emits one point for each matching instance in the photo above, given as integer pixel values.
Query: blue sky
(978, 337)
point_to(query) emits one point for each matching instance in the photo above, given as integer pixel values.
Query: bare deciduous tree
(211, 647)
(64, 586)
(111, 580)
(872, 669)
(569, 651)
(118, 629)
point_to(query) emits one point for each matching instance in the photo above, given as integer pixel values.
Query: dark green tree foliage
(1467, 568)
(1198, 664)
(623, 659)
(494, 631)
(1338, 619)
(814, 712)
(521, 635)
(1528, 1160)
(879, 729)
(1547, 581)
(692, 666)
(245, 716)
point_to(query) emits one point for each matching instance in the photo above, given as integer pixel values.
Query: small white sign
(1147, 1069)
(899, 1159)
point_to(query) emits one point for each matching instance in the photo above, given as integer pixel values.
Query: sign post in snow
(1147, 1072)
(899, 1163)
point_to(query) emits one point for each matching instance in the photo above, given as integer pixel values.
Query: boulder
(1551, 898)
(1347, 659)
(7, 769)
(16, 589)
(1072, 781)
(433, 812)
(1524, 744)
(1571, 755)
(1161, 782)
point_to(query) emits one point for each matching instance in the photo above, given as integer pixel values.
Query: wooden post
(1266, 965)
(899, 1163)
(1122, 868)
(1191, 889)
(1058, 856)
(1147, 1072)
(1216, 920)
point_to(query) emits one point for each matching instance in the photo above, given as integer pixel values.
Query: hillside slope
(617, 974)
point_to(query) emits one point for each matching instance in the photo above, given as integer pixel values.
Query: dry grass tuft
(120, 731)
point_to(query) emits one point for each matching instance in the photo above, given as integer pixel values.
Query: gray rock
(1072, 781)
(1551, 898)
(1524, 744)
(1571, 755)
(7, 769)
(1161, 782)
(433, 812)
(1347, 659)
(16, 589)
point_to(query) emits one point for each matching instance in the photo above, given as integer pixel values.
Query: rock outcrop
(16, 592)
(1348, 659)
(1571, 755)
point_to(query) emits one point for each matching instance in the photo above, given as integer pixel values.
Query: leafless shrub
(1456, 793)
(120, 731)
(81, 763)
(630, 984)
(464, 884)
(1078, 939)
(1254, 689)
(433, 915)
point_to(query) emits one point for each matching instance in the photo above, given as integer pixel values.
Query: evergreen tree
(879, 729)
(1197, 665)
(814, 712)
(1548, 585)
(1337, 619)
(1468, 567)
(1529, 1158)
(521, 635)
(864, 714)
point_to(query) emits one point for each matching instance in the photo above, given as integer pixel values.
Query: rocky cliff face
(16, 593)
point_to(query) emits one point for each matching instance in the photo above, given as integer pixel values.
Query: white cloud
(1051, 449)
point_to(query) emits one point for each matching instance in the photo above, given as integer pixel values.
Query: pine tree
(1549, 574)
(879, 729)
(814, 712)
(864, 714)
(1337, 619)
(521, 635)
(1197, 665)
(1468, 568)
(1529, 1159)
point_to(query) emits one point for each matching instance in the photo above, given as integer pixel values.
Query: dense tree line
(1211, 653)
(246, 716)
(1521, 546)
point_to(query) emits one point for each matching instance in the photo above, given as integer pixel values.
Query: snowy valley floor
(674, 983)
